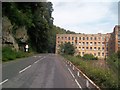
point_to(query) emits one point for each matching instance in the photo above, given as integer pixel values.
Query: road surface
(39, 71)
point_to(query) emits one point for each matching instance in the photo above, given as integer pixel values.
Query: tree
(89, 57)
(67, 48)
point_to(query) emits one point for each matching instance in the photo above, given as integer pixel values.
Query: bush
(9, 54)
(89, 57)
(78, 56)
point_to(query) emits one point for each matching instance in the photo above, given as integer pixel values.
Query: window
(58, 37)
(79, 43)
(79, 47)
(68, 38)
(103, 43)
(72, 38)
(83, 38)
(94, 48)
(103, 38)
(102, 54)
(90, 43)
(76, 38)
(65, 38)
(107, 48)
(83, 43)
(79, 38)
(106, 54)
(87, 38)
(82, 53)
(58, 41)
(87, 48)
(98, 38)
(119, 37)
(86, 43)
(98, 43)
(61, 42)
(82, 48)
(102, 48)
(90, 48)
(90, 38)
(106, 43)
(95, 38)
(94, 43)
(119, 43)
(62, 38)
(98, 48)
(98, 53)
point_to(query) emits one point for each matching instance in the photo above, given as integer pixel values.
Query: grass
(104, 78)
(8, 54)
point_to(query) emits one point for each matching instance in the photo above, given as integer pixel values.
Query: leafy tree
(89, 57)
(67, 48)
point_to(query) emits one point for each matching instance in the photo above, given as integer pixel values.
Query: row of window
(90, 48)
(81, 38)
(95, 54)
(86, 43)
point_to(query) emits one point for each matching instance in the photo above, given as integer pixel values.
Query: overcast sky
(81, 16)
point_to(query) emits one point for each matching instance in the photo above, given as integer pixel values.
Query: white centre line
(78, 84)
(37, 61)
(3, 81)
(24, 69)
(71, 73)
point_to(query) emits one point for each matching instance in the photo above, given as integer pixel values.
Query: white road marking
(37, 61)
(78, 84)
(78, 73)
(87, 78)
(3, 81)
(42, 58)
(71, 73)
(25, 69)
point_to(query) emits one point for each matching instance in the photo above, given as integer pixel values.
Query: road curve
(40, 71)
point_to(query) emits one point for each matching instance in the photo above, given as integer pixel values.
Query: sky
(86, 16)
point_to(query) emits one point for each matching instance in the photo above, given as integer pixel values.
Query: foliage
(105, 78)
(9, 54)
(118, 54)
(89, 57)
(113, 62)
(38, 20)
(67, 48)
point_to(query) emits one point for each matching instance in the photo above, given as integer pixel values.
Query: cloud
(85, 16)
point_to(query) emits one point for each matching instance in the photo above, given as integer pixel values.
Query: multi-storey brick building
(96, 44)
(114, 41)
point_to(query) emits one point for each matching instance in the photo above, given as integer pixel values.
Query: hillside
(29, 23)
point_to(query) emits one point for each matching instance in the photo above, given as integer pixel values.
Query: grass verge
(8, 54)
(104, 78)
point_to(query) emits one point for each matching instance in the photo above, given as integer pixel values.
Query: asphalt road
(40, 71)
